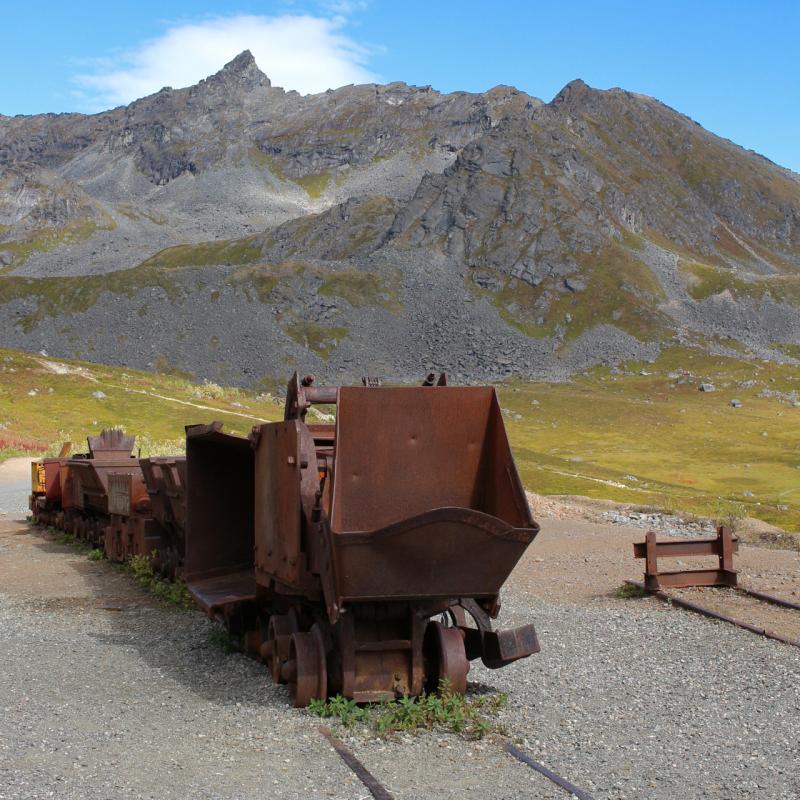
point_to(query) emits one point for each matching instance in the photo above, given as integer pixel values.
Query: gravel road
(107, 694)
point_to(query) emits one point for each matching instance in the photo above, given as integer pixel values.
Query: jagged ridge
(551, 236)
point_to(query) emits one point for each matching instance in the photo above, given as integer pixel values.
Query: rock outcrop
(233, 224)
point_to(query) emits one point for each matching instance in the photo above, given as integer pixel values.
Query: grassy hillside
(44, 401)
(655, 439)
(651, 439)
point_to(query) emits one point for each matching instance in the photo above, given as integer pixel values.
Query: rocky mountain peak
(574, 91)
(551, 237)
(242, 71)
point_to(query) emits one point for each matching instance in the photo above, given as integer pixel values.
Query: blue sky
(732, 66)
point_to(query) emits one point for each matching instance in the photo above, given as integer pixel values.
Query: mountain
(233, 229)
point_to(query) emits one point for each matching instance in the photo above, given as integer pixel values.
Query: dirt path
(15, 486)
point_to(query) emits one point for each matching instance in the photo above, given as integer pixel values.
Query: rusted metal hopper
(84, 483)
(165, 488)
(45, 499)
(365, 557)
(218, 562)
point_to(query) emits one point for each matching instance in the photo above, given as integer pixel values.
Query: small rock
(98, 395)
(707, 387)
(736, 403)
(574, 284)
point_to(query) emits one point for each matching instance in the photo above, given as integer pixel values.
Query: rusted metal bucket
(426, 498)
(218, 564)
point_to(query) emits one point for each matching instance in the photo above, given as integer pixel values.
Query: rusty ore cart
(363, 557)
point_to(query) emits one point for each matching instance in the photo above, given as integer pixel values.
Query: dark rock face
(488, 234)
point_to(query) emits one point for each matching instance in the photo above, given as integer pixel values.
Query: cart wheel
(306, 671)
(445, 658)
(275, 650)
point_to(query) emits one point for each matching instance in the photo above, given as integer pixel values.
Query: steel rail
(707, 612)
(549, 774)
(375, 787)
(769, 598)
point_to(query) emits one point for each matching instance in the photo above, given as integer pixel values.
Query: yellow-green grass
(155, 407)
(315, 184)
(204, 254)
(361, 289)
(689, 450)
(47, 239)
(322, 339)
(705, 280)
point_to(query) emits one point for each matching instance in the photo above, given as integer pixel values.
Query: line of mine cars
(362, 558)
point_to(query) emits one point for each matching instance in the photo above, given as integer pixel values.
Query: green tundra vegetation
(642, 434)
(45, 401)
(649, 436)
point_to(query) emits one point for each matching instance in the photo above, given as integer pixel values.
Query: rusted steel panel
(127, 494)
(111, 444)
(447, 552)
(90, 480)
(278, 510)
(220, 503)
(426, 499)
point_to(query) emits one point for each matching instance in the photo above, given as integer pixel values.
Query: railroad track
(759, 597)
(381, 792)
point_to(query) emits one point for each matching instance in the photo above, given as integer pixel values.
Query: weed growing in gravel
(95, 554)
(628, 590)
(69, 539)
(346, 711)
(730, 514)
(173, 592)
(225, 640)
(444, 710)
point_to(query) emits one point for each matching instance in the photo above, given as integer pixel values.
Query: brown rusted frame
(495, 648)
(724, 545)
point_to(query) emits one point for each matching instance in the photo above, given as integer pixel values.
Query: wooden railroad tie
(724, 545)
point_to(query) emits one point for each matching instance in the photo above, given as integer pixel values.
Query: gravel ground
(108, 695)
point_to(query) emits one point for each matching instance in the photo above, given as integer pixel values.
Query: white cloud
(302, 52)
